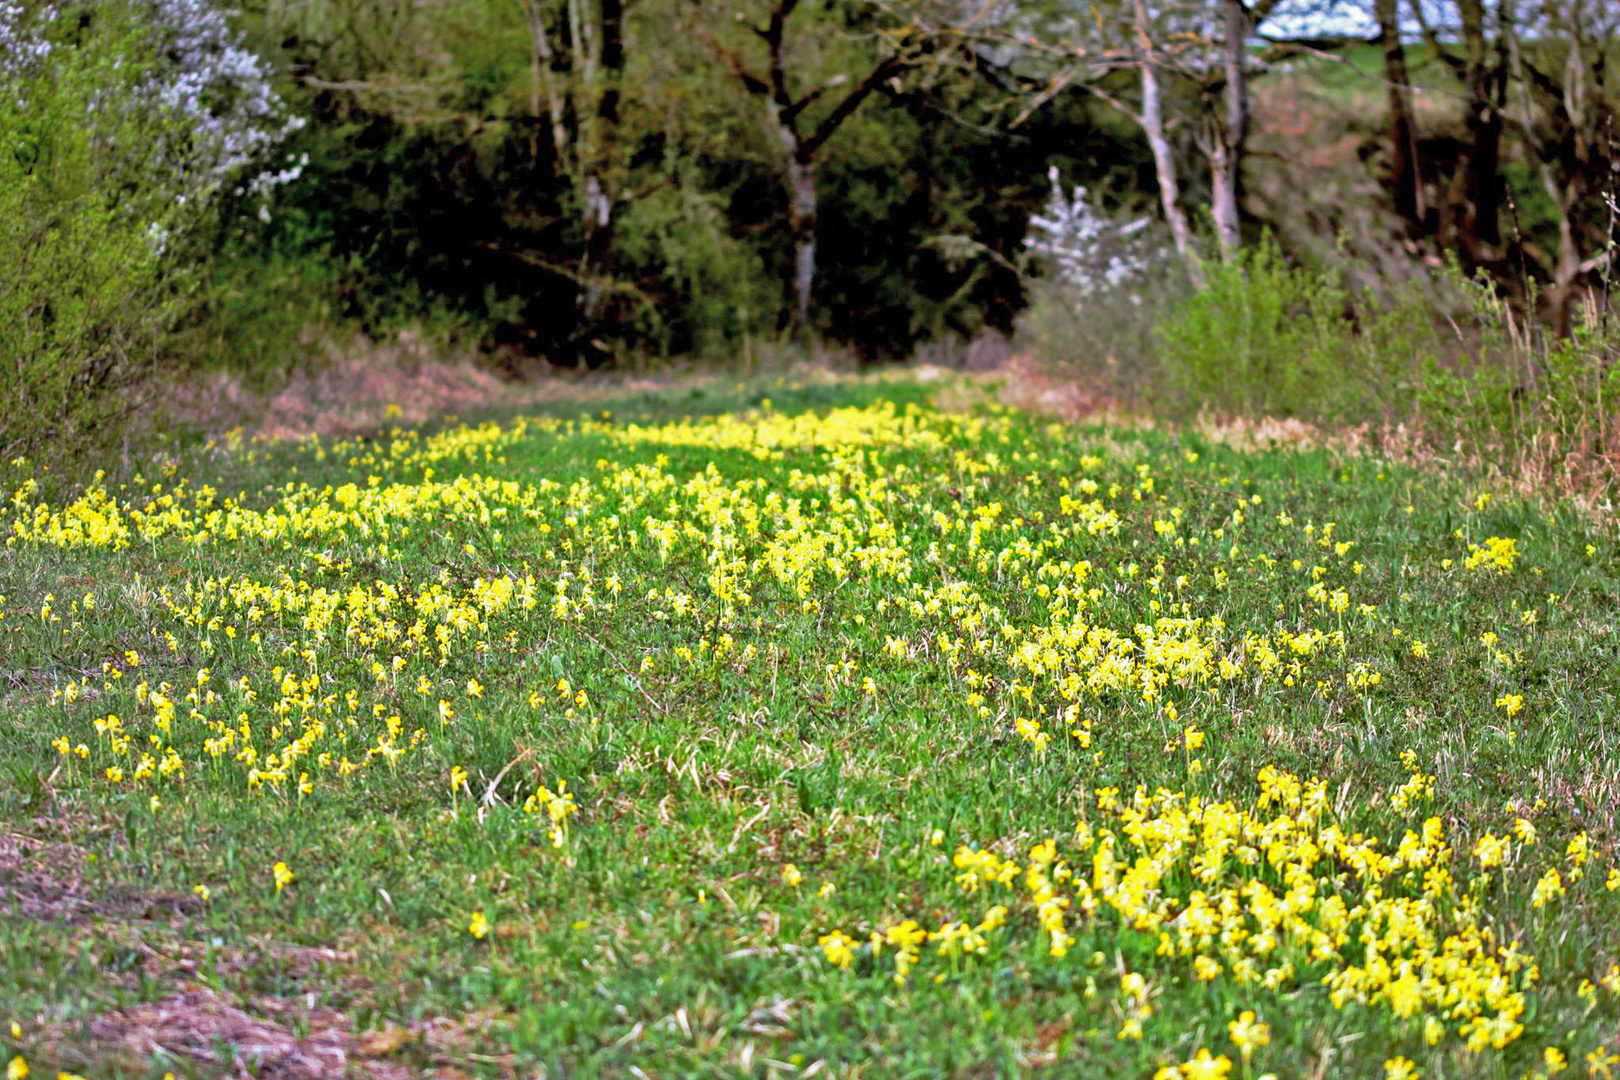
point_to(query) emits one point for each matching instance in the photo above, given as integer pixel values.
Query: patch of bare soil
(1026, 384)
(365, 389)
(281, 1039)
(362, 387)
(44, 880)
(199, 1021)
(204, 1027)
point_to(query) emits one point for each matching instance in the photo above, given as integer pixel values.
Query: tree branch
(851, 102)
(1456, 63)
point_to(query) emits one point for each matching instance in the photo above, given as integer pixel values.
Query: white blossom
(23, 47)
(1089, 251)
(224, 92)
(196, 70)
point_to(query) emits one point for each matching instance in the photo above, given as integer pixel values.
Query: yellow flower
(1554, 1059)
(17, 1069)
(791, 875)
(1248, 1033)
(203, 892)
(1550, 885)
(283, 876)
(479, 926)
(475, 688)
(1491, 850)
(1401, 1068)
(838, 948)
(1205, 1067)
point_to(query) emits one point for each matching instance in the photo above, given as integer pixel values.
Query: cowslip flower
(478, 926)
(1401, 1068)
(1248, 1033)
(1491, 850)
(838, 948)
(282, 876)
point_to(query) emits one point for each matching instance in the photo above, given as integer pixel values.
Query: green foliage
(88, 289)
(1252, 338)
(435, 191)
(716, 292)
(1445, 355)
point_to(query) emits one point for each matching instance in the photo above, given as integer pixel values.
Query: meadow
(804, 728)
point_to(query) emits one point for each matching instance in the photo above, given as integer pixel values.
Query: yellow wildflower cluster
(1273, 895)
(1498, 553)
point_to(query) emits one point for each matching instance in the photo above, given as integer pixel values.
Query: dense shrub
(119, 128)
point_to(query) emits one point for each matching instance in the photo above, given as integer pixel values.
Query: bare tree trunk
(1223, 199)
(1567, 274)
(1407, 177)
(800, 149)
(1227, 147)
(801, 184)
(802, 223)
(598, 42)
(1164, 162)
(1486, 84)
(1575, 146)
(542, 61)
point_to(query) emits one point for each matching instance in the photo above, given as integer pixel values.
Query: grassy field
(797, 729)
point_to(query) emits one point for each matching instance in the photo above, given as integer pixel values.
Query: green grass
(823, 535)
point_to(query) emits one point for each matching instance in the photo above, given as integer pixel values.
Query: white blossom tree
(1089, 251)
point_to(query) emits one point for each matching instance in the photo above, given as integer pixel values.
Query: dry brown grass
(1549, 465)
(206, 1028)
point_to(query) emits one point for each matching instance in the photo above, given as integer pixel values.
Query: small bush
(1442, 356)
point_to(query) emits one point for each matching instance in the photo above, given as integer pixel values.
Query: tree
(800, 121)
(1471, 217)
(1406, 176)
(124, 128)
(1565, 120)
(583, 82)
(1170, 66)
